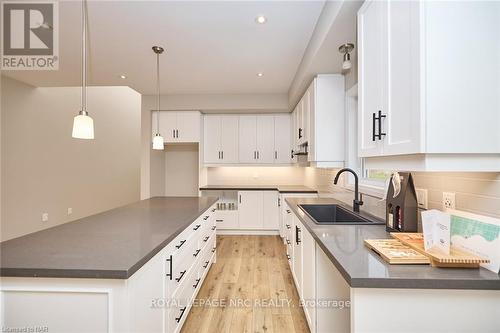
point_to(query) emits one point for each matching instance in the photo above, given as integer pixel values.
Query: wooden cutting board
(456, 258)
(395, 252)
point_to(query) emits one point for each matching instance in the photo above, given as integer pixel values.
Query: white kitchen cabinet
(227, 219)
(179, 127)
(271, 210)
(330, 285)
(297, 254)
(256, 139)
(436, 109)
(309, 276)
(220, 139)
(251, 209)
(247, 139)
(282, 139)
(326, 121)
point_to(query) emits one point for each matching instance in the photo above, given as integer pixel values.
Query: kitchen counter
(279, 188)
(113, 244)
(363, 268)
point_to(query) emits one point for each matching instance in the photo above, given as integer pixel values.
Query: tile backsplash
(475, 192)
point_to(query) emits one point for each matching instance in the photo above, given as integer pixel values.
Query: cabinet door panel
(271, 210)
(370, 74)
(168, 123)
(250, 209)
(265, 139)
(309, 275)
(212, 139)
(297, 254)
(229, 139)
(248, 139)
(188, 126)
(282, 137)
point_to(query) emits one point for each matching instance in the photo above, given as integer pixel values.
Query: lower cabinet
(258, 210)
(331, 286)
(309, 278)
(297, 268)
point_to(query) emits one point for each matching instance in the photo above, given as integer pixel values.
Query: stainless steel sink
(335, 214)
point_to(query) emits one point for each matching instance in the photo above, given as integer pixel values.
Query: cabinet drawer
(180, 305)
(227, 219)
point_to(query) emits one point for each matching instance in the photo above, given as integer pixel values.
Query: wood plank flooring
(249, 289)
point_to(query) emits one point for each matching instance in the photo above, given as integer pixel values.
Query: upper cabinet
(424, 92)
(220, 139)
(181, 126)
(319, 121)
(253, 139)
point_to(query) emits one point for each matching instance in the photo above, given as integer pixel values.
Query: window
(371, 180)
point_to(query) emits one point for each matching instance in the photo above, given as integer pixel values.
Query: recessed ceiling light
(260, 74)
(123, 76)
(261, 19)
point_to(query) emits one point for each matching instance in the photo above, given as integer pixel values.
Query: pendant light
(158, 139)
(83, 125)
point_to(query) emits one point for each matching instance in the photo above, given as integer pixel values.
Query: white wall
(45, 170)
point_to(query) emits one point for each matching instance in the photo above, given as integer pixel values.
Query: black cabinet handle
(173, 133)
(213, 210)
(380, 116)
(196, 253)
(213, 228)
(197, 283)
(254, 155)
(206, 238)
(180, 276)
(177, 133)
(297, 237)
(181, 243)
(240, 198)
(169, 275)
(287, 226)
(222, 154)
(219, 155)
(288, 211)
(275, 154)
(197, 227)
(178, 319)
(206, 264)
(213, 249)
(206, 217)
(279, 202)
(374, 135)
(219, 220)
(258, 155)
(300, 133)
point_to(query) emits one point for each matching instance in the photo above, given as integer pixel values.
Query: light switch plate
(70, 211)
(422, 198)
(45, 217)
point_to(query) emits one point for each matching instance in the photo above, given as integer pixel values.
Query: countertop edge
(391, 283)
(255, 188)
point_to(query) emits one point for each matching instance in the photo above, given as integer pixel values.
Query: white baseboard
(246, 232)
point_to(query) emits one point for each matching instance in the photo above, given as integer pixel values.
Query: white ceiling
(211, 47)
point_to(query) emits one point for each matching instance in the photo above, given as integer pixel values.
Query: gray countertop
(279, 188)
(113, 244)
(363, 268)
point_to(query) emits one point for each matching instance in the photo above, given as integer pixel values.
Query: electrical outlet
(448, 200)
(70, 211)
(45, 217)
(422, 197)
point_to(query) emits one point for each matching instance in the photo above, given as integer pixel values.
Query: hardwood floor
(253, 284)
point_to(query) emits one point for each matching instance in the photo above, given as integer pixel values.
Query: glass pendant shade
(83, 126)
(158, 142)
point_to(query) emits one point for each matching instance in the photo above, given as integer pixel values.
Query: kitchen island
(384, 297)
(112, 271)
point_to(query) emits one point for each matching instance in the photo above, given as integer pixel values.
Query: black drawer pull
(196, 284)
(178, 319)
(213, 210)
(287, 226)
(219, 220)
(288, 211)
(213, 228)
(196, 253)
(182, 243)
(206, 217)
(213, 250)
(169, 275)
(297, 236)
(197, 227)
(206, 264)
(180, 276)
(206, 238)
